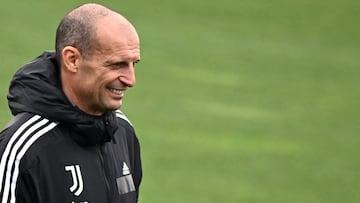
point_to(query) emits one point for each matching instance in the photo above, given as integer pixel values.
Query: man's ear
(71, 58)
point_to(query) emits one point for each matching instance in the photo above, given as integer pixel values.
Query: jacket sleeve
(135, 158)
(25, 189)
(137, 167)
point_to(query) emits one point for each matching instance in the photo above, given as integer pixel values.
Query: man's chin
(115, 106)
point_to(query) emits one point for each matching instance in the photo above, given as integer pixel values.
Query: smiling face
(98, 82)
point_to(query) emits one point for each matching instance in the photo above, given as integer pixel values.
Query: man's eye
(118, 65)
(135, 62)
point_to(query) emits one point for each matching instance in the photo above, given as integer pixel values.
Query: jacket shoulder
(122, 116)
(22, 122)
(20, 135)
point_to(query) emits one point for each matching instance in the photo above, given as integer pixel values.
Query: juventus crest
(78, 184)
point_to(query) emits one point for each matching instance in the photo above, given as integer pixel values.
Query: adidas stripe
(121, 115)
(15, 149)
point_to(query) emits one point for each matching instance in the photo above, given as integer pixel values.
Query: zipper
(105, 174)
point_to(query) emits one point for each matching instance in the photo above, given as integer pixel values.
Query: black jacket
(52, 152)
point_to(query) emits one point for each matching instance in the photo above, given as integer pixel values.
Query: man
(68, 142)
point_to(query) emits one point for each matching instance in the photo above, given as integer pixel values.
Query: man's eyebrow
(111, 63)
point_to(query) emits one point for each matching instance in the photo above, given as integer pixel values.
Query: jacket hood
(36, 88)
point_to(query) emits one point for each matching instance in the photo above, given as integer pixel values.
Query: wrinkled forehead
(117, 41)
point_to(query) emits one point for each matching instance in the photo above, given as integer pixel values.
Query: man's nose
(128, 76)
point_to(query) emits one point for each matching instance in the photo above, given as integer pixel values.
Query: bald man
(68, 141)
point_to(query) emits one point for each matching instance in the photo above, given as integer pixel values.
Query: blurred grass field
(247, 101)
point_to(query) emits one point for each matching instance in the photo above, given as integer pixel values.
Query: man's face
(104, 76)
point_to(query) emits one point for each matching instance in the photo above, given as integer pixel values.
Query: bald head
(97, 50)
(80, 26)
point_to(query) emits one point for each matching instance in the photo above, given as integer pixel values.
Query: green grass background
(248, 101)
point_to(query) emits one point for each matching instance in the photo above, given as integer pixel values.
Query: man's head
(97, 49)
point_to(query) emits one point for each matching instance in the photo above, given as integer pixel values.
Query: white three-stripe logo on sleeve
(14, 151)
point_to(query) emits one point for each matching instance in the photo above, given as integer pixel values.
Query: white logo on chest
(126, 170)
(78, 184)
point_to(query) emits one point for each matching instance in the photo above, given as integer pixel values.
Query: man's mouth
(116, 91)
